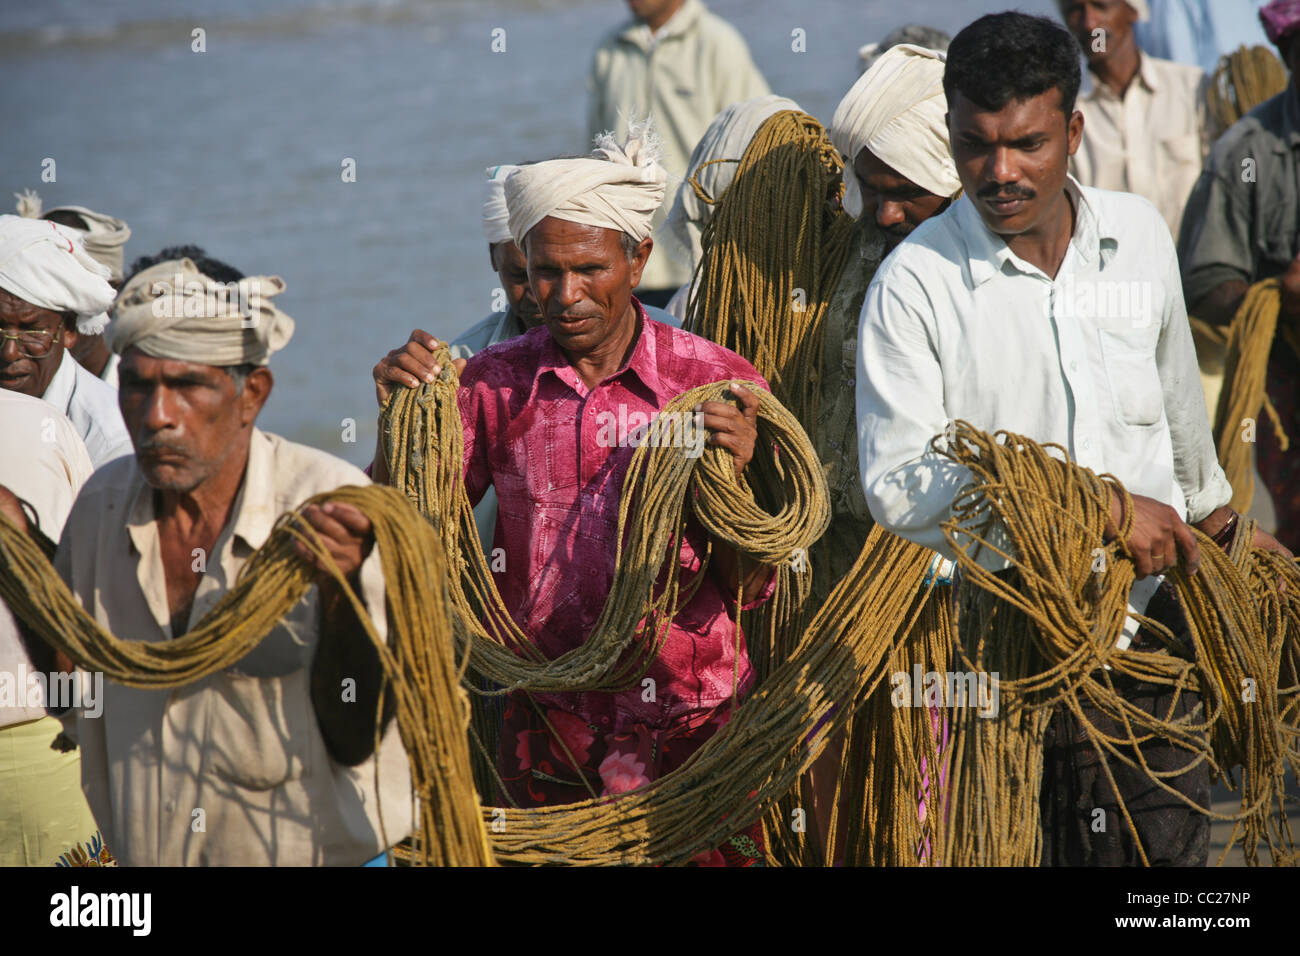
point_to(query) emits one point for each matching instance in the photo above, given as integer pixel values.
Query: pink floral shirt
(551, 448)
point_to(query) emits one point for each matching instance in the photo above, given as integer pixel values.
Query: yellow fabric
(43, 813)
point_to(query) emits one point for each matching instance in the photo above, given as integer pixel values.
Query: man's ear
(643, 249)
(69, 335)
(1074, 132)
(492, 256)
(257, 389)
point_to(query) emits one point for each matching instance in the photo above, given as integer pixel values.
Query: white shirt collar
(61, 388)
(989, 253)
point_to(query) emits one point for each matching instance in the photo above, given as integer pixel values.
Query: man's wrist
(1215, 522)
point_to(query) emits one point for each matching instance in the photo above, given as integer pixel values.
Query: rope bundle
(1250, 340)
(1050, 630)
(1242, 80)
(418, 661)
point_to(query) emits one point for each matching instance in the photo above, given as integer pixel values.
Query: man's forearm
(346, 721)
(1220, 304)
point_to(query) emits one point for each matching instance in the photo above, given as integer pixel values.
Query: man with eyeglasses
(51, 291)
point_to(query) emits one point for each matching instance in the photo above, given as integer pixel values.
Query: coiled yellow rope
(1050, 631)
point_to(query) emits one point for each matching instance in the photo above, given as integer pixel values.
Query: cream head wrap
(496, 217)
(1139, 7)
(725, 141)
(173, 311)
(47, 265)
(896, 109)
(104, 236)
(617, 187)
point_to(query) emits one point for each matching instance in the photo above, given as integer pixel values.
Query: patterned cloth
(547, 754)
(557, 454)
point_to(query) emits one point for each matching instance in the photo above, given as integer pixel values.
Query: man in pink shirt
(551, 421)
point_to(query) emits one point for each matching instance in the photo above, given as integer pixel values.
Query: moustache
(155, 446)
(998, 191)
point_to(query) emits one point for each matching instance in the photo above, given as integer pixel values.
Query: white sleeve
(900, 402)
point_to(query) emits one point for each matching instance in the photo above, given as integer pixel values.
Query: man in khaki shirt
(681, 65)
(1143, 118)
(269, 761)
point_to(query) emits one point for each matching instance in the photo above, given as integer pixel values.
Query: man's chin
(165, 476)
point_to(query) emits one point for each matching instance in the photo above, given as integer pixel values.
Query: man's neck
(1046, 247)
(610, 356)
(656, 24)
(1119, 67)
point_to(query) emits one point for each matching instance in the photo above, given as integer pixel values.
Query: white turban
(1139, 6)
(104, 236)
(726, 139)
(173, 311)
(617, 187)
(896, 109)
(496, 218)
(47, 265)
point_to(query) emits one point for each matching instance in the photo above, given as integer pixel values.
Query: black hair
(1012, 56)
(214, 269)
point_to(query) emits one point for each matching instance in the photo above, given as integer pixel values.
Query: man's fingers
(326, 526)
(1187, 545)
(350, 517)
(421, 337)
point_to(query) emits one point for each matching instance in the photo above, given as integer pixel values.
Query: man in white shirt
(679, 64)
(104, 238)
(276, 762)
(43, 813)
(51, 291)
(1054, 311)
(1144, 121)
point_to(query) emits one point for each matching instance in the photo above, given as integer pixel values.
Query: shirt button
(171, 806)
(1074, 366)
(1087, 444)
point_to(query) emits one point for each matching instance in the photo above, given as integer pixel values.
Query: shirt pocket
(1184, 150)
(260, 730)
(1135, 389)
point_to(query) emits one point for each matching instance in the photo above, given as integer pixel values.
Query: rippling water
(239, 148)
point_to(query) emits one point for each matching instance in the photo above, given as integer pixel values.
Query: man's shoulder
(712, 28)
(694, 360)
(106, 493)
(477, 337)
(1129, 216)
(1181, 75)
(92, 390)
(307, 470)
(935, 244)
(1257, 132)
(512, 358)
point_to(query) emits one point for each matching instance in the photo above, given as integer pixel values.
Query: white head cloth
(173, 311)
(496, 217)
(896, 110)
(47, 265)
(727, 138)
(617, 187)
(1140, 6)
(104, 236)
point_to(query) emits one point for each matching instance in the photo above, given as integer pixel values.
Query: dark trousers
(1075, 786)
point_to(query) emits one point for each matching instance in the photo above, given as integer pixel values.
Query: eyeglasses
(32, 343)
